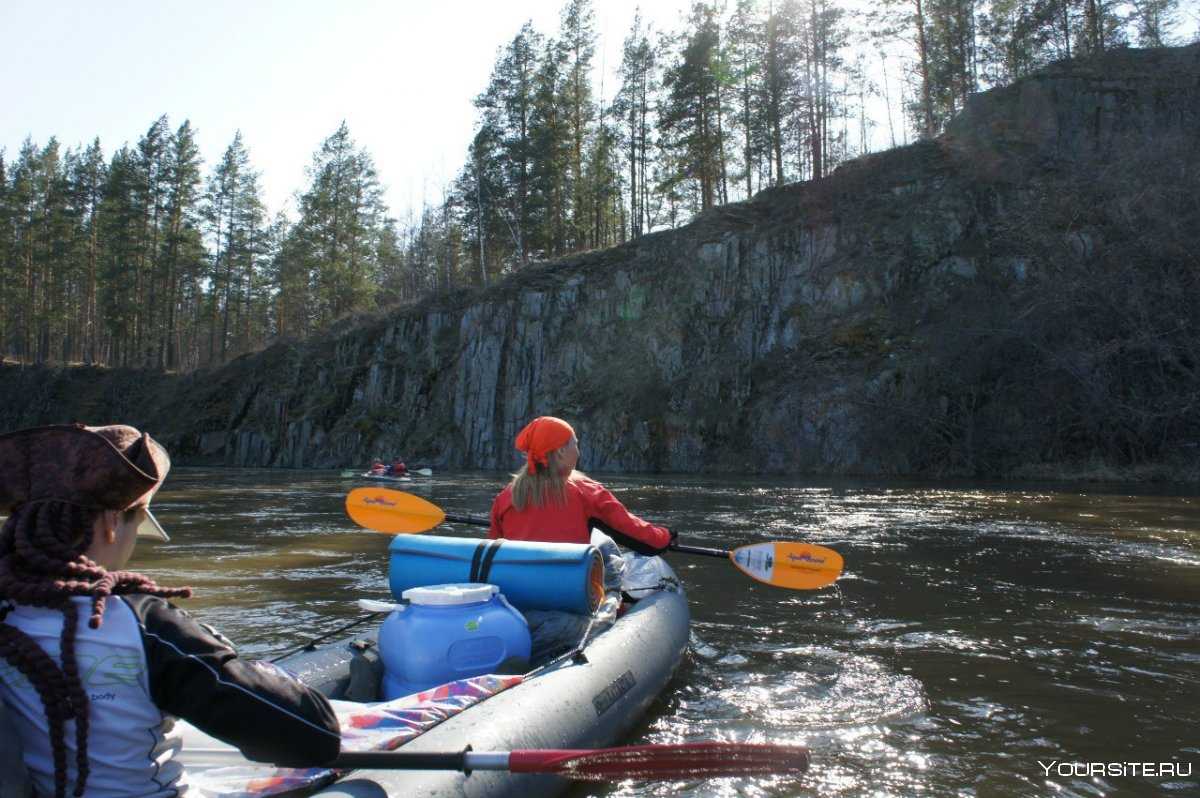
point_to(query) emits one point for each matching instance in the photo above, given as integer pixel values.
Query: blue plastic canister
(533, 576)
(449, 632)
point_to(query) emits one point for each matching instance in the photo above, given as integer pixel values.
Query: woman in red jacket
(548, 500)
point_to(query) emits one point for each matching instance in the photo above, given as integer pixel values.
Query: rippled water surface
(977, 632)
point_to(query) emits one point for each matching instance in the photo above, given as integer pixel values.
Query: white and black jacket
(148, 663)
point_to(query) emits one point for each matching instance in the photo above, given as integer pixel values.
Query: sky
(401, 73)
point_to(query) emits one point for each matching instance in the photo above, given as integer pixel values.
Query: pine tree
(150, 196)
(1016, 37)
(822, 36)
(69, 263)
(24, 215)
(120, 223)
(7, 263)
(634, 106)
(259, 249)
(236, 216)
(602, 176)
(551, 144)
(493, 190)
(481, 198)
(292, 269)
(690, 117)
(180, 239)
(512, 96)
(89, 176)
(908, 21)
(951, 46)
(782, 56)
(1153, 21)
(52, 253)
(746, 37)
(337, 234)
(391, 259)
(577, 38)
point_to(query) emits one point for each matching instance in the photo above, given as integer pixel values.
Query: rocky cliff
(877, 321)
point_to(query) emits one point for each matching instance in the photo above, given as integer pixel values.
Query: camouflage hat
(110, 468)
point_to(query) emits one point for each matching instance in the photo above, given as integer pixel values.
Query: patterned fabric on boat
(365, 727)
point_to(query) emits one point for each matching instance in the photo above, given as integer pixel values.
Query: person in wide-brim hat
(78, 499)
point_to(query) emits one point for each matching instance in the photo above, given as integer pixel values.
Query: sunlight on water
(976, 630)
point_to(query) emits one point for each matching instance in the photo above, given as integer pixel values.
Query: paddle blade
(684, 761)
(797, 566)
(392, 511)
(425, 472)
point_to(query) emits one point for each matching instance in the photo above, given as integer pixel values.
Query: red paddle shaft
(673, 762)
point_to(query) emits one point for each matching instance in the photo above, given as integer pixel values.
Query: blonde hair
(547, 486)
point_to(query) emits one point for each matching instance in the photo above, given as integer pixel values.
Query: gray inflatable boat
(590, 699)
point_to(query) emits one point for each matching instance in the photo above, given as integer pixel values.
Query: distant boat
(419, 472)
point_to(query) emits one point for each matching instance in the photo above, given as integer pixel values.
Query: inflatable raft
(406, 477)
(382, 478)
(583, 699)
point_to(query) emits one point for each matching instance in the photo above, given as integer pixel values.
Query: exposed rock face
(752, 339)
(1083, 109)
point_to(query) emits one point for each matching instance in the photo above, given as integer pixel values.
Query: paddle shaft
(473, 520)
(415, 760)
(312, 643)
(722, 553)
(479, 520)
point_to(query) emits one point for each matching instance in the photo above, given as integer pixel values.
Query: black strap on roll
(476, 559)
(485, 569)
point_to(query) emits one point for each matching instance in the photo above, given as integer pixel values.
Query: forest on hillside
(142, 257)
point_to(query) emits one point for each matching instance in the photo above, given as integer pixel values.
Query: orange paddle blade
(391, 511)
(799, 566)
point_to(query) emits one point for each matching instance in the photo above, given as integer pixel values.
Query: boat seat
(14, 779)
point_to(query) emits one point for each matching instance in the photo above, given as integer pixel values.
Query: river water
(985, 640)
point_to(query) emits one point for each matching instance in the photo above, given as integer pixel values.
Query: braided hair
(42, 564)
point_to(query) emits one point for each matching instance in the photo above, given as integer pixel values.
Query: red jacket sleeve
(501, 503)
(607, 514)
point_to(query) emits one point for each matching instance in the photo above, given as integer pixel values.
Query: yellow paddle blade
(392, 511)
(799, 566)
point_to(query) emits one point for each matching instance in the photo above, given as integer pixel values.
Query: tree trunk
(724, 193)
(89, 312)
(923, 57)
(482, 225)
(746, 126)
(774, 101)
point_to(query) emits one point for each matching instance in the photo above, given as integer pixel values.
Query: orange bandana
(540, 437)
